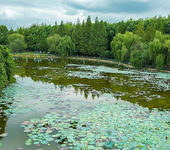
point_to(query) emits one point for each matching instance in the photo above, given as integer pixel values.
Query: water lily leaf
(44, 142)
(36, 143)
(49, 139)
(109, 145)
(28, 143)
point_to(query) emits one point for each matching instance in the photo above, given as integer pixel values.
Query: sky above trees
(15, 13)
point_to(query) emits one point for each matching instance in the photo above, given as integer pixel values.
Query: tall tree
(77, 36)
(140, 28)
(61, 30)
(160, 24)
(131, 25)
(124, 43)
(11, 31)
(55, 28)
(3, 35)
(82, 40)
(154, 49)
(95, 49)
(150, 31)
(87, 36)
(53, 42)
(121, 27)
(167, 44)
(66, 46)
(160, 61)
(16, 43)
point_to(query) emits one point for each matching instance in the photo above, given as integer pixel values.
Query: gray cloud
(113, 6)
(31, 3)
(15, 13)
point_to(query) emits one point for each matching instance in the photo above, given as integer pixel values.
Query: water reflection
(57, 71)
(3, 119)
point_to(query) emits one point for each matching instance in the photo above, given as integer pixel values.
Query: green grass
(31, 53)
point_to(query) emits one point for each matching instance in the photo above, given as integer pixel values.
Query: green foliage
(136, 59)
(3, 78)
(77, 36)
(6, 66)
(95, 39)
(87, 39)
(154, 49)
(160, 61)
(150, 31)
(118, 55)
(3, 35)
(16, 43)
(65, 47)
(161, 24)
(106, 54)
(99, 38)
(140, 55)
(167, 44)
(131, 25)
(160, 45)
(116, 44)
(121, 27)
(140, 29)
(64, 29)
(124, 43)
(35, 37)
(11, 31)
(7, 60)
(53, 42)
(61, 45)
(124, 53)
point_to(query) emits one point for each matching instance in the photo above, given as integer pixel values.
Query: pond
(74, 104)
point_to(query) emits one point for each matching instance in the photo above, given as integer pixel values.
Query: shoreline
(90, 59)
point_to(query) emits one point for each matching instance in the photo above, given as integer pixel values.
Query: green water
(89, 104)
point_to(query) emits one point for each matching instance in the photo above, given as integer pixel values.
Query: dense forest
(141, 42)
(6, 66)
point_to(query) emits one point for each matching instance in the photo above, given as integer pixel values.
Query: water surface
(88, 103)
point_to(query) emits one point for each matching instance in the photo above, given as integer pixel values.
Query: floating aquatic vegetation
(106, 126)
(71, 122)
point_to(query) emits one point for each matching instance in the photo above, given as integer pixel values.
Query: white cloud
(10, 12)
(24, 12)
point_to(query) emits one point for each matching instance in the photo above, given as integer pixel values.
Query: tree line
(141, 42)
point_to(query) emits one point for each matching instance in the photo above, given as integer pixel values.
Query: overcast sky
(15, 13)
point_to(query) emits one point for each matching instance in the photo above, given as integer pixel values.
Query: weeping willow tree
(53, 42)
(160, 61)
(167, 44)
(154, 49)
(124, 53)
(17, 43)
(66, 47)
(118, 54)
(160, 45)
(124, 43)
(116, 44)
(6, 66)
